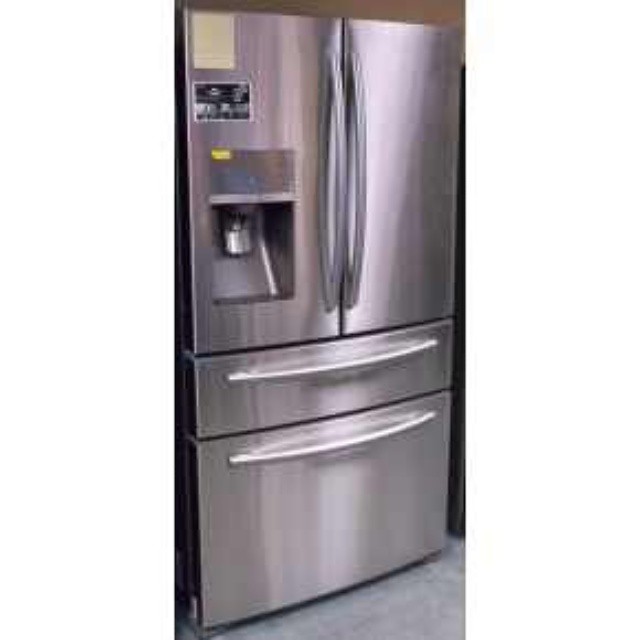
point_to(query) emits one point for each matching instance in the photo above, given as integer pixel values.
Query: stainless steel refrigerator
(316, 196)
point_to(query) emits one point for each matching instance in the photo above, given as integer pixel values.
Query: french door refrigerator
(315, 294)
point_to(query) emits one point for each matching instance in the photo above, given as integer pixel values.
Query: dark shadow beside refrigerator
(456, 514)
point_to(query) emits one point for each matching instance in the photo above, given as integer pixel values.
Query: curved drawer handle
(313, 370)
(239, 459)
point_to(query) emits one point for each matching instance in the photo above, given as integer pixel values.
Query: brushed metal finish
(225, 407)
(259, 375)
(267, 455)
(282, 59)
(260, 174)
(410, 79)
(273, 535)
(257, 198)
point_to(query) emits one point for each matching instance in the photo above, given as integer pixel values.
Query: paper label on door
(213, 40)
(222, 101)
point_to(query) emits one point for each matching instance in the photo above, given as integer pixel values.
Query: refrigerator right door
(402, 83)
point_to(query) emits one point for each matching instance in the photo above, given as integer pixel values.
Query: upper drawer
(280, 386)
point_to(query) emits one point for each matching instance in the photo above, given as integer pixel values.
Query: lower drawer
(295, 513)
(235, 393)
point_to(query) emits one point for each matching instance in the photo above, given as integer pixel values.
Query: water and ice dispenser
(252, 206)
(237, 232)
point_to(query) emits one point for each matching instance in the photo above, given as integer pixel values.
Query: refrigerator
(316, 190)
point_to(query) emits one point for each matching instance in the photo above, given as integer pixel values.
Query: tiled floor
(422, 603)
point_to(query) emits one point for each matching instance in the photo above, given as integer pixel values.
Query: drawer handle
(239, 459)
(313, 370)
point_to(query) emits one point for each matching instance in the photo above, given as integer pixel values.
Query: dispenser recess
(252, 208)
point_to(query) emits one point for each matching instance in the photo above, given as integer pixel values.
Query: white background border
(86, 275)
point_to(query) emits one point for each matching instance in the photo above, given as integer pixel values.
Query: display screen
(221, 101)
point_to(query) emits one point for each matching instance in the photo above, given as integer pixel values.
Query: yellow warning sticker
(220, 154)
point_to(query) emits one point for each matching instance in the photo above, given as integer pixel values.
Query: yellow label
(221, 154)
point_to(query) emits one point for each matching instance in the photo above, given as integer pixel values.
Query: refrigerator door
(402, 85)
(265, 138)
(293, 514)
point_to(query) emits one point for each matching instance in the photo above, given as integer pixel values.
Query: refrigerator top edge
(445, 26)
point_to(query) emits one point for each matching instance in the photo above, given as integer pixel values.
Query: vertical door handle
(333, 146)
(357, 200)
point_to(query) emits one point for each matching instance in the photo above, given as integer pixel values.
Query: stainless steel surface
(283, 60)
(273, 535)
(224, 406)
(331, 197)
(357, 184)
(258, 375)
(260, 174)
(410, 79)
(254, 198)
(265, 455)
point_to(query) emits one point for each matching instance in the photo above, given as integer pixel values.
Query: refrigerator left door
(263, 110)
